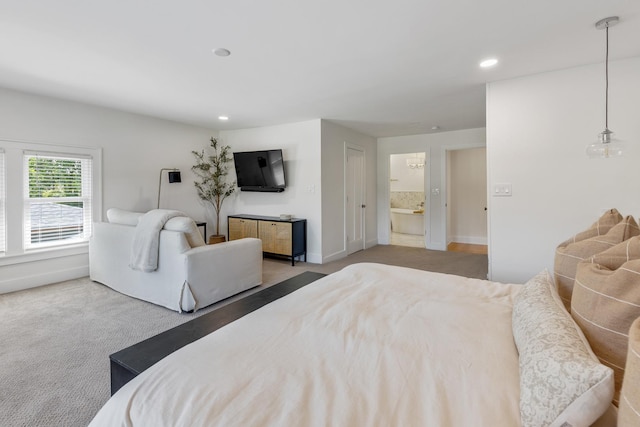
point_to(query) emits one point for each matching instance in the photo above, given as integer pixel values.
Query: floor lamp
(174, 176)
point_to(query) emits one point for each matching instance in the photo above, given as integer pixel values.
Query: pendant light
(606, 146)
(416, 161)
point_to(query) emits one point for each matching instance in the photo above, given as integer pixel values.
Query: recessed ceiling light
(488, 62)
(223, 118)
(435, 127)
(220, 51)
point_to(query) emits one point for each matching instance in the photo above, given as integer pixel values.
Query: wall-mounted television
(260, 170)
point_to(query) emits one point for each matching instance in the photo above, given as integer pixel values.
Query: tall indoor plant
(212, 171)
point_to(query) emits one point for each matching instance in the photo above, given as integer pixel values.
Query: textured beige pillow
(598, 228)
(568, 256)
(629, 414)
(561, 381)
(606, 300)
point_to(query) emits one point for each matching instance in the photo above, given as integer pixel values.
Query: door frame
(363, 190)
(384, 194)
(445, 186)
(425, 179)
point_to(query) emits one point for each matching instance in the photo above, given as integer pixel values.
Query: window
(49, 197)
(57, 199)
(2, 204)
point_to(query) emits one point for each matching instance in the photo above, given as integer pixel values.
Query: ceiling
(381, 67)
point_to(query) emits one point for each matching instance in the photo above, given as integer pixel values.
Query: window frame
(15, 250)
(85, 198)
(3, 204)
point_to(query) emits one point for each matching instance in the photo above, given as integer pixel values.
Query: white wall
(467, 193)
(537, 131)
(435, 146)
(334, 138)
(403, 178)
(134, 148)
(300, 144)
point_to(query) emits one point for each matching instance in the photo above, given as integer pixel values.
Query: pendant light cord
(606, 73)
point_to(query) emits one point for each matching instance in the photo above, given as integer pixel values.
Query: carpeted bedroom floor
(55, 340)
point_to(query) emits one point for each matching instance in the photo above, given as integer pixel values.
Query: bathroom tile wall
(406, 199)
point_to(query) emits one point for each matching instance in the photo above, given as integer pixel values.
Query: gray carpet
(55, 340)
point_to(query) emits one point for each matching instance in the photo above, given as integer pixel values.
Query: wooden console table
(281, 237)
(128, 363)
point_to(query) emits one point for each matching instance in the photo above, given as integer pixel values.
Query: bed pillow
(121, 216)
(568, 256)
(608, 219)
(629, 413)
(188, 227)
(606, 300)
(561, 381)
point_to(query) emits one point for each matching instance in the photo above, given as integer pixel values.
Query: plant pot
(217, 239)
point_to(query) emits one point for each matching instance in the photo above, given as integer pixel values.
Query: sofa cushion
(568, 255)
(629, 414)
(188, 227)
(606, 300)
(561, 380)
(121, 216)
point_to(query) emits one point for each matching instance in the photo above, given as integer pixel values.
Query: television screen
(260, 170)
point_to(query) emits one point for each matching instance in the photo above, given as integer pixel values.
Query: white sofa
(190, 274)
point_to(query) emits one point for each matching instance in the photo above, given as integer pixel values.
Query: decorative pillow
(568, 256)
(561, 381)
(188, 227)
(629, 413)
(598, 228)
(606, 300)
(121, 216)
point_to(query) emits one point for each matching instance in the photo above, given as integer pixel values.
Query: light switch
(502, 190)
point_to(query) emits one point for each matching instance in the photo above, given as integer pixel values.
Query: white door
(467, 196)
(355, 203)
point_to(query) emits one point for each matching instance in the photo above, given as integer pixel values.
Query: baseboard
(469, 240)
(313, 258)
(44, 278)
(334, 256)
(370, 243)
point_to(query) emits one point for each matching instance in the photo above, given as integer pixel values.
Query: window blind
(2, 205)
(57, 199)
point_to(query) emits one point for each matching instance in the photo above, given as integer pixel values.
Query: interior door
(355, 201)
(467, 196)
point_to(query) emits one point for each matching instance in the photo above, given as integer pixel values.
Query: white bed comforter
(371, 345)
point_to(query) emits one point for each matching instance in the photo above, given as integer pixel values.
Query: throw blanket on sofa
(146, 239)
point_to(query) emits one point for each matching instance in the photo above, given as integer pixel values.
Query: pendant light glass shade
(606, 146)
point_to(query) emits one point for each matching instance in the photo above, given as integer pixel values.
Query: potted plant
(212, 187)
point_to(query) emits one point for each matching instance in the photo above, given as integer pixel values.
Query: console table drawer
(240, 228)
(276, 237)
(279, 236)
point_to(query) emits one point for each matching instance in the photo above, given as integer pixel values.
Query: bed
(381, 345)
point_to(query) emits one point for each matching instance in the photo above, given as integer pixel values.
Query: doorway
(355, 198)
(407, 210)
(467, 200)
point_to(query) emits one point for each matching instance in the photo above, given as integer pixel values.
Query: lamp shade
(174, 177)
(605, 147)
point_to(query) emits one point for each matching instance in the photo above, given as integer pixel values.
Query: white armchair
(190, 274)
